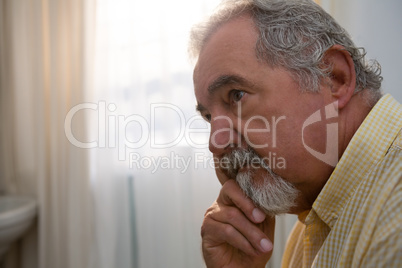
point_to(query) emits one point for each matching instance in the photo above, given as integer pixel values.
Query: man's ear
(342, 76)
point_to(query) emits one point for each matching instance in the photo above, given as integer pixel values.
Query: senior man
(282, 80)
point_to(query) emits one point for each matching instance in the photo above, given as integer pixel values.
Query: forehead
(229, 50)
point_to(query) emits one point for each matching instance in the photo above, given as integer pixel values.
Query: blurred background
(98, 125)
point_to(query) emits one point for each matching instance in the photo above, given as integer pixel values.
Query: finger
(231, 194)
(232, 216)
(268, 228)
(215, 234)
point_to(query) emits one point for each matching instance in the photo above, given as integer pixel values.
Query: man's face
(252, 105)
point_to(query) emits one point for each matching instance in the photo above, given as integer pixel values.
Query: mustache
(240, 158)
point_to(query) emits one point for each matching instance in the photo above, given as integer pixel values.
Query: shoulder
(384, 247)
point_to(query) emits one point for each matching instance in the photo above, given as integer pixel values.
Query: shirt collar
(369, 144)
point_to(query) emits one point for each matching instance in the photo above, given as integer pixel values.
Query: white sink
(16, 216)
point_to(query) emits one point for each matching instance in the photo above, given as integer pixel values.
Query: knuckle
(203, 229)
(229, 230)
(208, 213)
(211, 210)
(232, 214)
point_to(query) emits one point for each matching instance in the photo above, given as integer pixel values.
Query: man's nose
(223, 135)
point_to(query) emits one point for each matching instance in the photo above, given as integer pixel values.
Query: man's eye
(237, 95)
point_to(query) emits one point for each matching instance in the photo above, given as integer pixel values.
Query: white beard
(274, 195)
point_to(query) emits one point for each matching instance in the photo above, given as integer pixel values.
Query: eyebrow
(224, 80)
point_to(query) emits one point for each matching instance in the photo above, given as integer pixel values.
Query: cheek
(283, 147)
(258, 132)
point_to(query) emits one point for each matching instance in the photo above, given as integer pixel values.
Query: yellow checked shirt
(356, 220)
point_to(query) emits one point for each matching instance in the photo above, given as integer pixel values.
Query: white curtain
(43, 48)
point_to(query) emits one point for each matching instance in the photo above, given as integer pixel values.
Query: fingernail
(258, 215)
(266, 245)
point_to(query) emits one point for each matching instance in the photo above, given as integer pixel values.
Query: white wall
(375, 25)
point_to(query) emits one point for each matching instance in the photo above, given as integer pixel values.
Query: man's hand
(235, 233)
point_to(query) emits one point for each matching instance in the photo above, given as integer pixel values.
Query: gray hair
(294, 34)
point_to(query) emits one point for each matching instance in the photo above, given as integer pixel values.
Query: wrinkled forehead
(226, 51)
